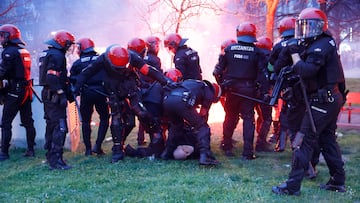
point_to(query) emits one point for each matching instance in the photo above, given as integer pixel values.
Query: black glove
(170, 85)
(293, 46)
(288, 69)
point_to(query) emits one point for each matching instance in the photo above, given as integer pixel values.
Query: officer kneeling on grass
(121, 85)
(180, 105)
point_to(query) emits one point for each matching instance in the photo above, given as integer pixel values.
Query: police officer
(55, 94)
(291, 106)
(239, 67)
(121, 84)
(93, 95)
(151, 96)
(264, 111)
(321, 71)
(151, 58)
(15, 68)
(224, 44)
(180, 106)
(185, 59)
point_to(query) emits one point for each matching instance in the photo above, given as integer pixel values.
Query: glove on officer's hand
(288, 69)
(170, 85)
(293, 46)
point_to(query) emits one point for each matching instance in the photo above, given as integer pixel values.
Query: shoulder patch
(332, 42)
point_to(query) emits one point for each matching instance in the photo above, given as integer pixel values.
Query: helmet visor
(306, 28)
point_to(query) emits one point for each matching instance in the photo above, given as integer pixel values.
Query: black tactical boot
(166, 154)
(60, 165)
(130, 151)
(98, 150)
(29, 153)
(208, 160)
(118, 153)
(283, 189)
(4, 156)
(333, 185)
(56, 162)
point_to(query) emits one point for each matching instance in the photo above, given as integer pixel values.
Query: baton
(250, 98)
(36, 95)
(307, 105)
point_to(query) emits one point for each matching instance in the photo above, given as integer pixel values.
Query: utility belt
(19, 83)
(324, 95)
(244, 82)
(185, 97)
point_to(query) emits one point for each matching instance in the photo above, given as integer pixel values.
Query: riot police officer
(151, 96)
(288, 109)
(15, 68)
(180, 106)
(321, 71)
(92, 95)
(55, 94)
(236, 80)
(185, 59)
(121, 85)
(151, 58)
(264, 111)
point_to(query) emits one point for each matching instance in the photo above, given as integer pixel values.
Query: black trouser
(122, 122)
(235, 106)
(178, 111)
(89, 100)
(56, 127)
(325, 117)
(17, 100)
(265, 111)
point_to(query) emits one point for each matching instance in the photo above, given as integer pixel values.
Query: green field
(94, 179)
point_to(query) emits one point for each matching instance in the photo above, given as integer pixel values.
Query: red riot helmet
(138, 45)
(86, 45)
(11, 34)
(311, 22)
(216, 90)
(117, 56)
(246, 32)
(264, 43)
(174, 40)
(62, 40)
(174, 74)
(153, 44)
(227, 43)
(287, 27)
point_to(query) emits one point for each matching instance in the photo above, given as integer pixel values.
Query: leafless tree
(344, 18)
(177, 13)
(14, 11)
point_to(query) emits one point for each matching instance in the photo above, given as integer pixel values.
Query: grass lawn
(94, 179)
